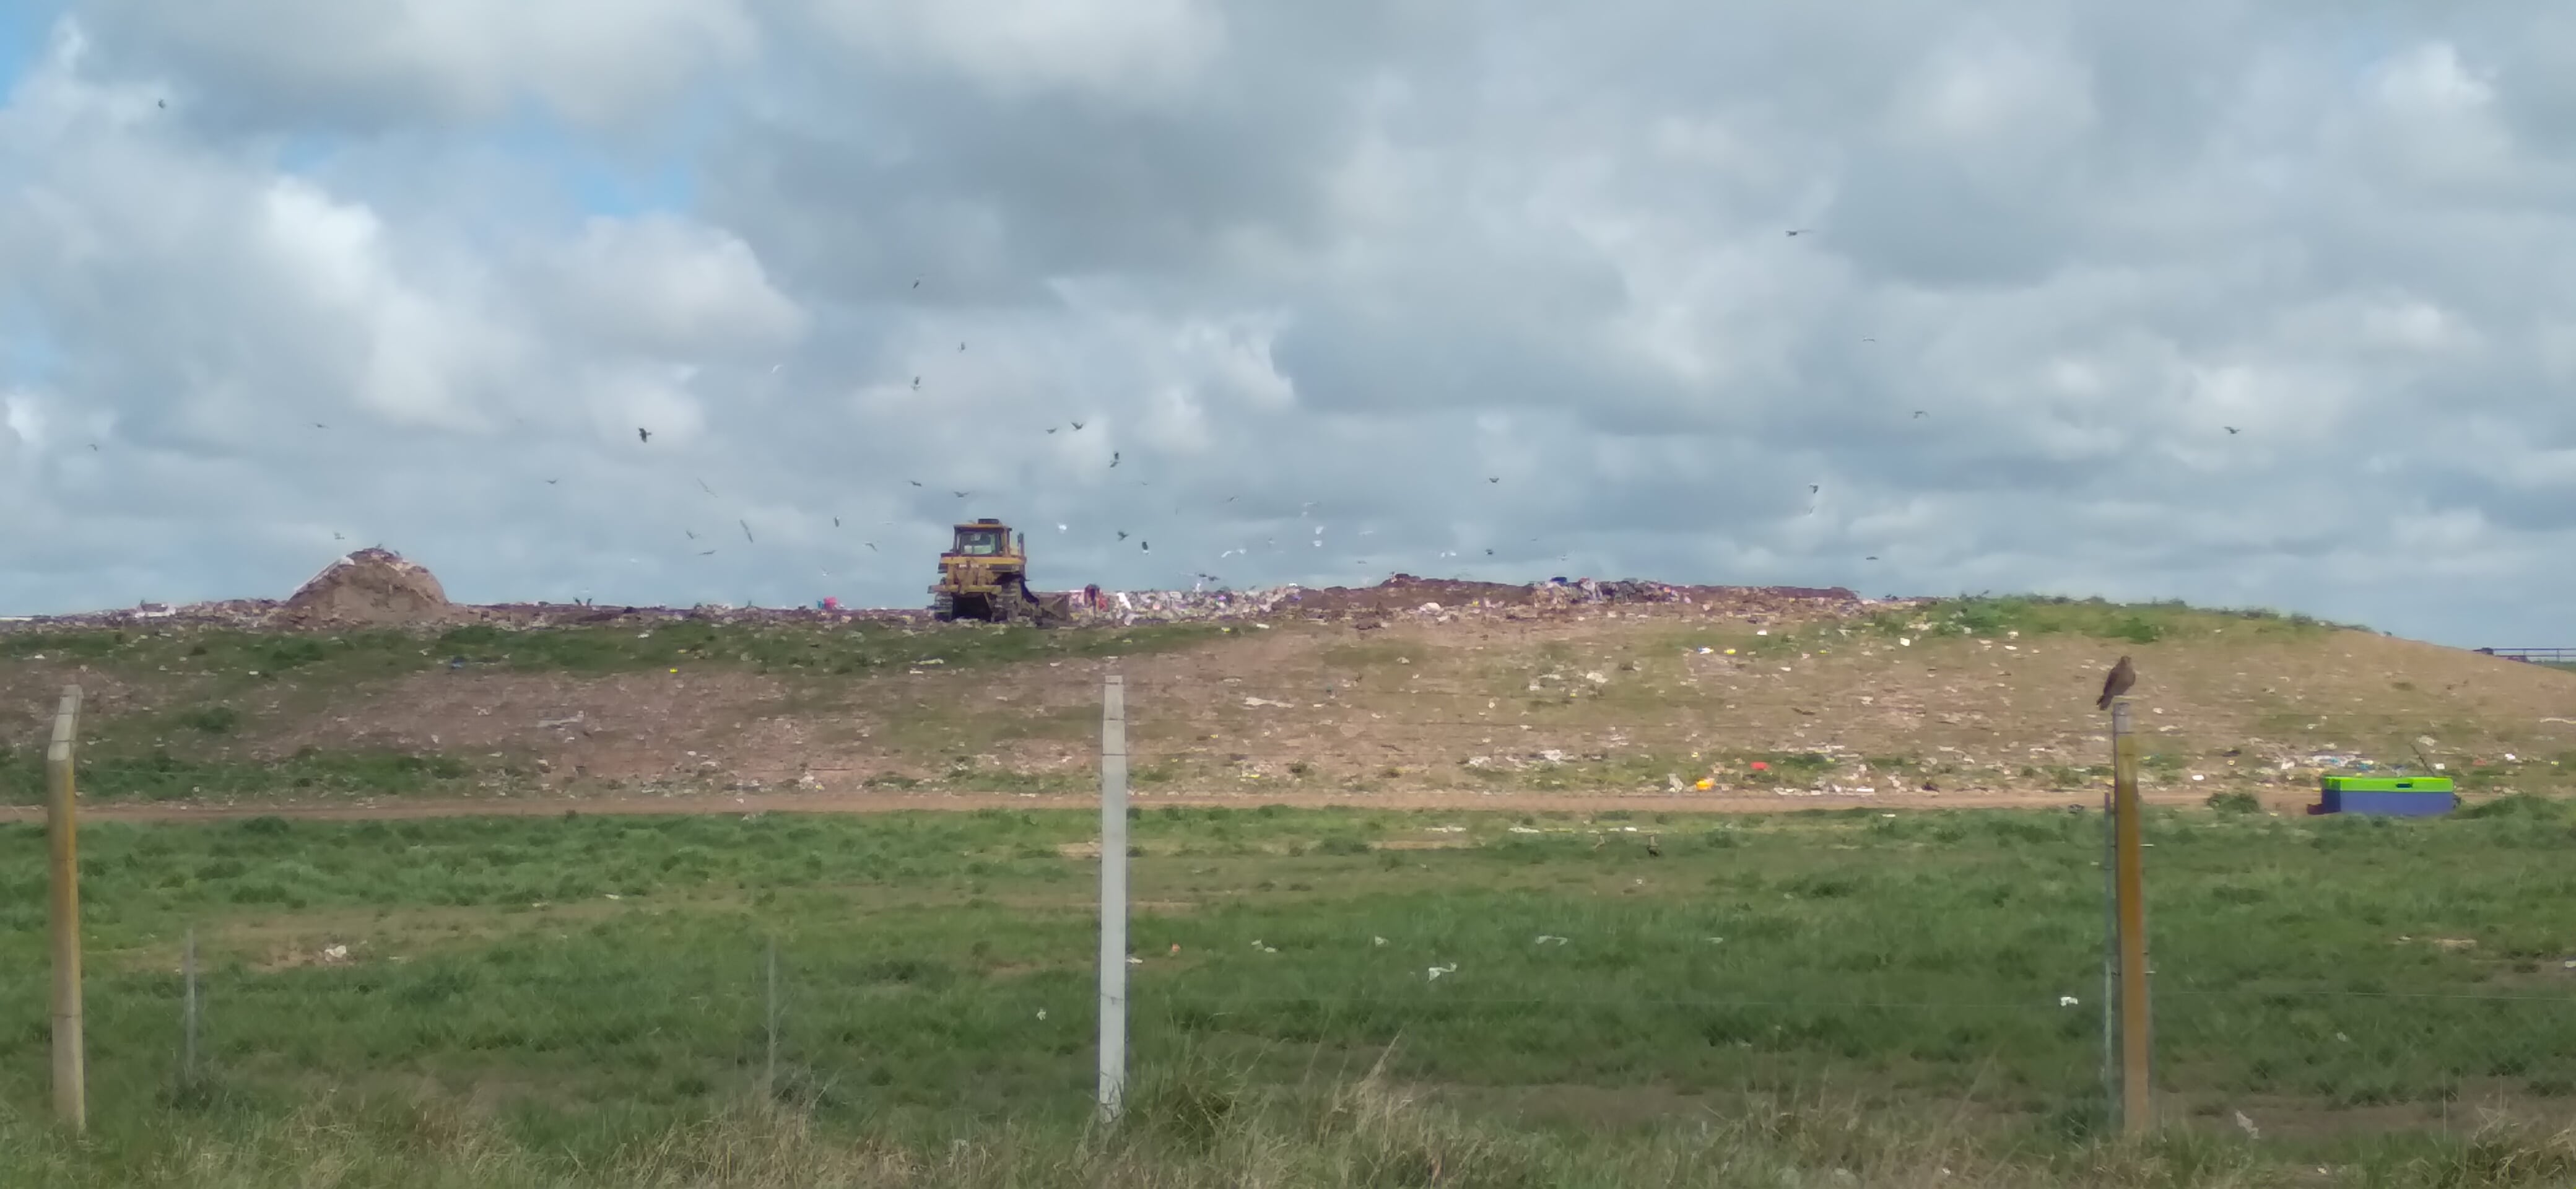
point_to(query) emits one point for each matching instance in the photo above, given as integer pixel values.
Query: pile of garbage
(381, 588)
(1445, 599)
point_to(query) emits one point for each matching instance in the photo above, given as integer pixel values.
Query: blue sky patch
(24, 28)
(599, 177)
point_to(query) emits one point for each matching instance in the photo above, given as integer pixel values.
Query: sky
(2242, 302)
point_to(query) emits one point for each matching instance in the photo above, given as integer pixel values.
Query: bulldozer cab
(982, 540)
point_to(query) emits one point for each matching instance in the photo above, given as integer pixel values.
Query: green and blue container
(2394, 796)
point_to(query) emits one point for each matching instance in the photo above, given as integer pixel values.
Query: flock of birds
(644, 437)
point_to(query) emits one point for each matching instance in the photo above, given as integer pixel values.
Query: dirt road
(896, 802)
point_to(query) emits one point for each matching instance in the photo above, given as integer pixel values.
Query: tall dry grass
(1203, 1127)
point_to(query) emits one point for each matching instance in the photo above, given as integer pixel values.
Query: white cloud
(24, 415)
(1986, 93)
(1338, 265)
(663, 281)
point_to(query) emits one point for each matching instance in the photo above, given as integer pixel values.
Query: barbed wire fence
(800, 1018)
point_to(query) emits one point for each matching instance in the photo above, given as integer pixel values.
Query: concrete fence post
(1113, 899)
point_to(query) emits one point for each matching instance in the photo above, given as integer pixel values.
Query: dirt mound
(375, 587)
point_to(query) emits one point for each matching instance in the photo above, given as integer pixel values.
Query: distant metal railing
(2538, 656)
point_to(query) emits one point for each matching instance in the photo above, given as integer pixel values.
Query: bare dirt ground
(1415, 694)
(907, 802)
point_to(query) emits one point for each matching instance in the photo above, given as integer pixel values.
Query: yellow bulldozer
(985, 576)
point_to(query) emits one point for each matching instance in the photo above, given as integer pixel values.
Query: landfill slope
(1410, 690)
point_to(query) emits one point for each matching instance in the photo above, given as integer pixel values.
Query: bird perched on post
(2123, 675)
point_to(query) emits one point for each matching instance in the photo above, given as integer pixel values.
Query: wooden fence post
(2136, 1110)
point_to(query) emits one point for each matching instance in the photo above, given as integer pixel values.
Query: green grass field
(181, 751)
(582, 1000)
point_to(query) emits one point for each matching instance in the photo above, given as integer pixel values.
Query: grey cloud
(1362, 256)
(369, 67)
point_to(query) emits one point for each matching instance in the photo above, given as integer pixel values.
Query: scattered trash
(1548, 939)
(373, 586)
(2066, 1001)
(1437, 971)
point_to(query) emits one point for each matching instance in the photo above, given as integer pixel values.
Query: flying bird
(1077, 426)
(549, 482)
(1493, 478)
(836, 522)
(642, 434)
(161, 103)
(960, 494)
(914, 482)
(1147, 546)
(2123, 675)
(319, 425)
(1871, 557)
(1919, 413)
(689, 533)
(746, 531)
(1122, 534)
(872, 546)
(1811, 489)
(1867, 339)
(916, 383)
(702, 486)
(1802, 230)
(2230, 428)
(961, 344)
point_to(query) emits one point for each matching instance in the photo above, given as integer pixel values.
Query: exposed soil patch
(716, 722)
(905, 802)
